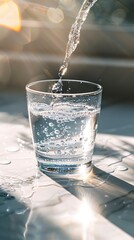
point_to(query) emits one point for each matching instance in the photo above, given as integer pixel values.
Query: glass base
(66, 170)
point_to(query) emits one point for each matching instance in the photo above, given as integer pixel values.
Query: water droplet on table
(121, 168)
(13, 148)
(4, 161)
(106, 196)
(8, 210)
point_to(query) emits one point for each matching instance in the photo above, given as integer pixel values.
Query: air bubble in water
(57, 132)
(45, 130)
(58, 152)
(51, 124)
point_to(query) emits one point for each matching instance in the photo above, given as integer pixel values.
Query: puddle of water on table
(23, 206)
(113, 163)
(20, 206)
(113, 168)
(27, 187)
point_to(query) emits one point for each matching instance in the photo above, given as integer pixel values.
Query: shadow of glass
(19, 222)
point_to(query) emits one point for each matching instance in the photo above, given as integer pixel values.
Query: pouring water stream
(73, 41)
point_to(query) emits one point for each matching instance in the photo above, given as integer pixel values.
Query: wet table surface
(36, 206)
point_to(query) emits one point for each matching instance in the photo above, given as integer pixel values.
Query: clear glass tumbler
(64, 124)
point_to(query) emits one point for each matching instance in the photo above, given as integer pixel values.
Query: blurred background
(34, 34)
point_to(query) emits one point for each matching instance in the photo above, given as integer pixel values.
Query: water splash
(57, 87)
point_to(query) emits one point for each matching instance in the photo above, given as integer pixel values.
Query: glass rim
(96, 92)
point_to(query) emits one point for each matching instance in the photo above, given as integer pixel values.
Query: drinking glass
(64, 124)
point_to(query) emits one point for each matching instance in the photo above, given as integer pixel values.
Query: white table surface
(36, 206)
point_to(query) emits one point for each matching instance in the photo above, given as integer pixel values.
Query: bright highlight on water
(73, 41)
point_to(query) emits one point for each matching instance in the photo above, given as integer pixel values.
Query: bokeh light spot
(55, 15)
(10, 15)
(118, 16)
